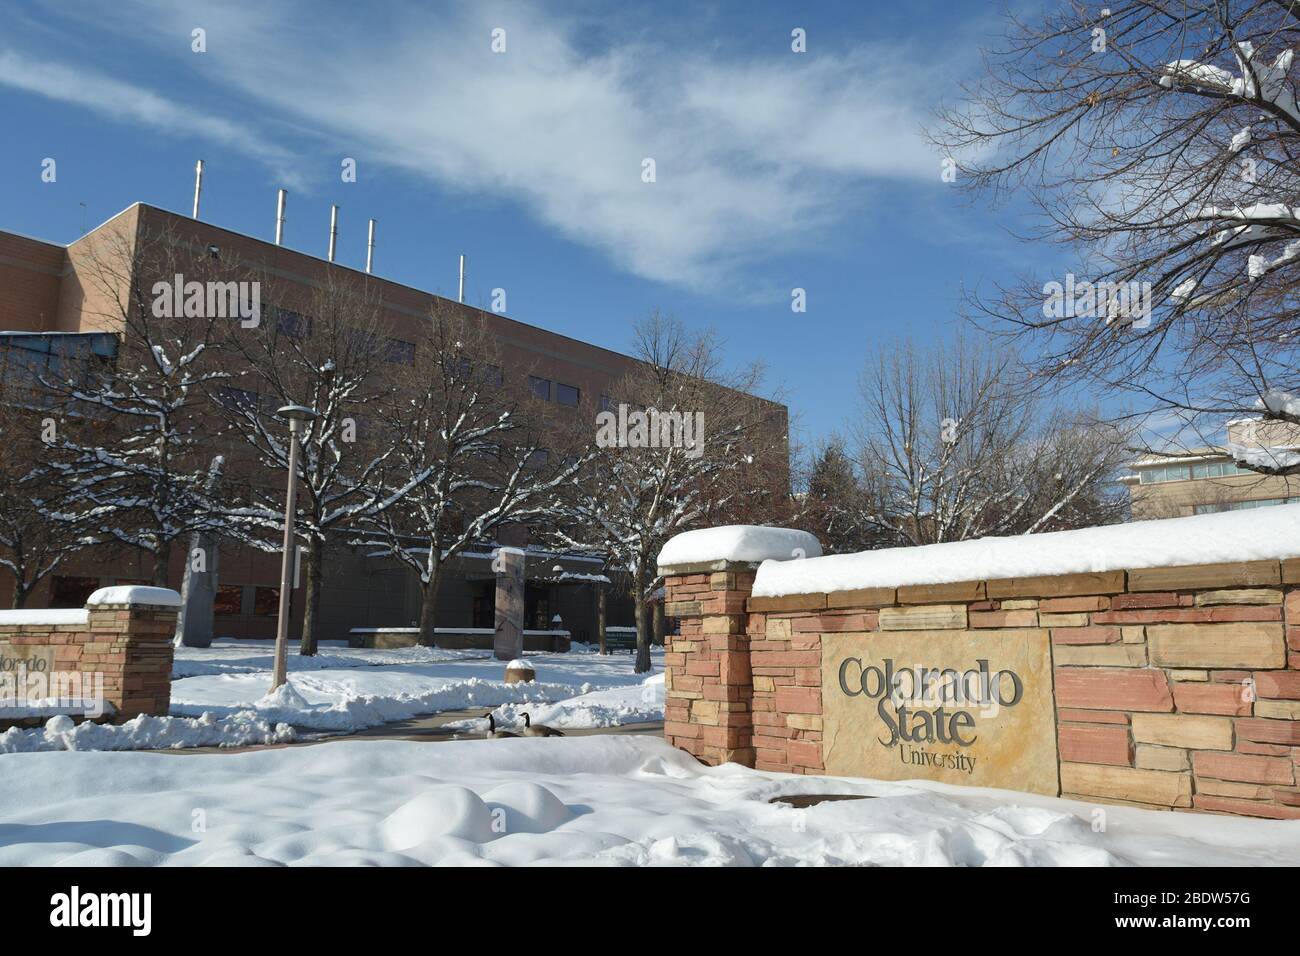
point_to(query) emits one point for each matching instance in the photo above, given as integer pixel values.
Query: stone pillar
(198, 593)
(708, 683)
(131, 642)
(508, 642)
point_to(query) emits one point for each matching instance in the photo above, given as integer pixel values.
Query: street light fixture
(298, 416)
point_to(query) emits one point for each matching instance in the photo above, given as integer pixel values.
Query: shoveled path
(429, 728)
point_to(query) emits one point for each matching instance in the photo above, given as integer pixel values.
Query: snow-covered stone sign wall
(1152, 663)
(110, 660)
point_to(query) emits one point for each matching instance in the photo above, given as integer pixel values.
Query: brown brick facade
(1174, 688)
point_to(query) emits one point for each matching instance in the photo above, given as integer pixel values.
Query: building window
(492, 375)
(266, 601)
(72, 592)
(1216, 469)
(229, 599)
(1163, 473)
(541, 387)
(291, 324)
(538, 458)
(607, 404)
(567, 394)
(400, 353)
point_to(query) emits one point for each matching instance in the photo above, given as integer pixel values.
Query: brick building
(52, 313)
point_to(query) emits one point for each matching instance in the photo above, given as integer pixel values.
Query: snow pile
(1258, 534)
(738, 542)
(42, 616)
(135, 594)
(147, 733)
(611, 707)
(611, 800)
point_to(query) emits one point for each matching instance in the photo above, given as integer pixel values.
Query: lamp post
(298, 416)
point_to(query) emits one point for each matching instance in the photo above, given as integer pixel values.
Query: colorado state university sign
(963, 707)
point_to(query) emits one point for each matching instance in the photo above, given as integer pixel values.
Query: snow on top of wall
(135, 594)
(738, 542)
(22, 616)
(1258, 534)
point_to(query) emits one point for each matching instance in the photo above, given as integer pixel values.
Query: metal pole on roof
(279, 215)
(370, 247)
(334, 230)
(460, 296)
(198, 186)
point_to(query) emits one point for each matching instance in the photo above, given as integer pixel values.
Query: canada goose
(492, 728)
(541, 730)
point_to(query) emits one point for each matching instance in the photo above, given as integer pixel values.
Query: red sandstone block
(861, 621)
(792, 659)
(674, 659)
(1003, 618)
(983, 605)
(1264, 731)
(1107, 745)
(683, 730)
(808, 676)
(805, 754)
(1293, 637)
(1093, 716)
(1113, 688)
(773, 764)
(800, 700)
(1086, 635)
(1278, 685)
(1262, 750)
(728, 692)
(1125, 602)
(1210, 698)
(1073, 605)
(683, 682)
(1243, 767)
(1290, 798)
(699, 666)
(1229, 677)
(1250, 808)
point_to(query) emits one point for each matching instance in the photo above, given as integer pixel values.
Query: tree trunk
(428, 636)
(643, 623)
(658, 632)
(311, 598)
(600, 617)
(20, 595)
(161, 559)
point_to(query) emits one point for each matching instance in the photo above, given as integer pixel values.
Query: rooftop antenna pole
(279, 216)
(370, 247)
(460, 296)
(334, 230)
(198, 186)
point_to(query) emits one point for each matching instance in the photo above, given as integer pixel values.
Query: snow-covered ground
(617, 800)
(219, 696)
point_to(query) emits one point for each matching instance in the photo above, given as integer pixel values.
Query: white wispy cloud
(127, 102)
(755, 155)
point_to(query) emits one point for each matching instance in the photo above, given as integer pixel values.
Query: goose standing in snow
(493, 733)
(540, 730)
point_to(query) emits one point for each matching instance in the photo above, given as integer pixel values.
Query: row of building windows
(1205, 469)
(569, 395)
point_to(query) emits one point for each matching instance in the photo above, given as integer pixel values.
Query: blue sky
(774, 170)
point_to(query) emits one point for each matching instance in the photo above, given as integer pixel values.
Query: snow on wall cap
(134, 594)
(738, 542)
(1259, 534)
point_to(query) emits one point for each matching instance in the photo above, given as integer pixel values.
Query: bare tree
(476, 437)
(1158, 140)
(39, 527)
(684, 444)
(830, 504)
(950, 447)
(139, 475)
(330, 357)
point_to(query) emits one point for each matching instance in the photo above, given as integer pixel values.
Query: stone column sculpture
(508, 642)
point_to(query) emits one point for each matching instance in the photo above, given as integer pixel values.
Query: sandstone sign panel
(970, 707)
(27, 657)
